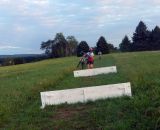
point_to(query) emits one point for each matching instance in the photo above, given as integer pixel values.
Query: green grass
(20, 88)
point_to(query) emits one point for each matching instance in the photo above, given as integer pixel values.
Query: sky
(24, 24)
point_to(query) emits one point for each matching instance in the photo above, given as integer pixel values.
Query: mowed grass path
(20, 99)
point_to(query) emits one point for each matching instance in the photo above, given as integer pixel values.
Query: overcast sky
(24, 24)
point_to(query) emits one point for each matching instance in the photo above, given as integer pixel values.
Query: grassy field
(20, 88)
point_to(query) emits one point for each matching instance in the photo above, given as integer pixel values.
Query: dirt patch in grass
(68, 113)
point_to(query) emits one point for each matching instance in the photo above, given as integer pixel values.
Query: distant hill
(6, 60)
(22, 55)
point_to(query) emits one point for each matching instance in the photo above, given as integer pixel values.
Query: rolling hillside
(20, 88)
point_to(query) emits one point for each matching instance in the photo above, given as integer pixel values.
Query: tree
(155, 39)
(60, 49)
(112, 48)
(72, 43)
(141, 38)
(102, 45)
(125, 45)
(47, 46)
(82, 47)
(8, 61)
(18, 60)
(57, 47)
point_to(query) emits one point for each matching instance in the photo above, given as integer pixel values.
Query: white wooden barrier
(84, 94)
(95, 71)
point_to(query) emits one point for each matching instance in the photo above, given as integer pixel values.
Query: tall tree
(57, 47)
(61, 45)
(102, 45)
(155, 38)
(141, 38)
(82, 48)
(72, 43)
(125, 45)
(47, 46)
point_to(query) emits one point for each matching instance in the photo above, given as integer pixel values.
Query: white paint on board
(84, 94)
(95, 71)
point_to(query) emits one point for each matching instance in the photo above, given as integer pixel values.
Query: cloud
(26, 23)
(87, 8)
(20, 29)
(9, 47)
(40, 2)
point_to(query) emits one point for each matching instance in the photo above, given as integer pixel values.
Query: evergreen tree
(102, 45)
(112, 48)
(82, 48)
(141, 38)
(155, 39)
(125, 45)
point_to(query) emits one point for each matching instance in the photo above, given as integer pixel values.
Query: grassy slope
(20, 100)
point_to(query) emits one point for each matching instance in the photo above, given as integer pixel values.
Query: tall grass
(20, 100)
(20, 85)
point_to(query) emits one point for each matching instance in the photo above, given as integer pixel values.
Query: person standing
(90, 59)
(99, 55)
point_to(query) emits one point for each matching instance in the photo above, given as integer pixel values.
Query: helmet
(90, 49)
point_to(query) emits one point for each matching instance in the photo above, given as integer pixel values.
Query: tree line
(62, 47)
(142, 39)
(21, 59)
